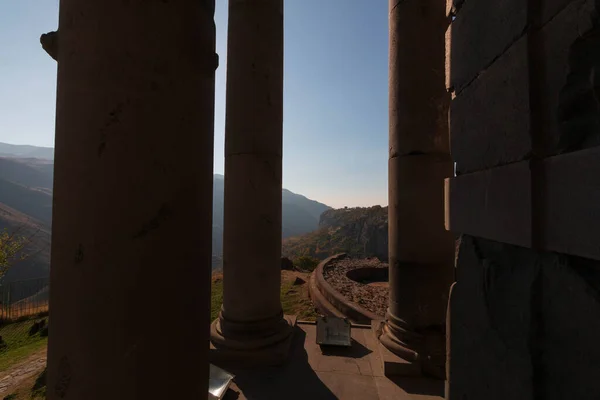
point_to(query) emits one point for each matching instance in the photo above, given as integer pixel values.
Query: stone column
(251, 317)
(421, 251)
(131, 232)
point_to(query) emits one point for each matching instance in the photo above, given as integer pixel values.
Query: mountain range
(26, 178)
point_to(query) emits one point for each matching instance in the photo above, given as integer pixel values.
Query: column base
(398, 362)
(251, 350)
(423, 356)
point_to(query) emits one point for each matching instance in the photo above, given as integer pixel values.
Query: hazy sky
(335, 93)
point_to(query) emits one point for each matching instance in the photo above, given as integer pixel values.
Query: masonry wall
(524, 313)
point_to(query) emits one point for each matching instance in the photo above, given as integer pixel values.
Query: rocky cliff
(360, 232)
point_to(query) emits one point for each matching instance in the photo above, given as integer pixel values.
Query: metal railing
(20, 299)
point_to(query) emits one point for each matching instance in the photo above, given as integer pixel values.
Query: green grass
(216, 298)
(294, 300)
(16, 334)
(15, 355)
(17, 343)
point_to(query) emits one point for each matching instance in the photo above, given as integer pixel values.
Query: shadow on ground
(357, 350)
(293, 381)
(420, 386)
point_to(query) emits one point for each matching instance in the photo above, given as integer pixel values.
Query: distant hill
(299, 214)
(37, 263)
(26, 204)
(26, 208)
(26, 151)
(360, 232)
(33, 202)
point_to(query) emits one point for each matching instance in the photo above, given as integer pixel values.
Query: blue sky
(335, 93)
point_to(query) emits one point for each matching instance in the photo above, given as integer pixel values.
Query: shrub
(38, 391)
(37, 327)
(306, 263)
(11, 246)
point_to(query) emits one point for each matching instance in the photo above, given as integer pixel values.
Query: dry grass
(295, 299)
(216, 295)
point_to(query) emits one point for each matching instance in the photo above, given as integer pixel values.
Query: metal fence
(23, 312)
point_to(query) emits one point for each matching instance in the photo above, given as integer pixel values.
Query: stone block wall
(524, 315)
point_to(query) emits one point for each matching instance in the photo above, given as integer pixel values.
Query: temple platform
(322, 374)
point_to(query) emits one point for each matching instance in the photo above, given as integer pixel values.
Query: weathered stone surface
(550, 8)
(490, 120)
(579, 100)
(418, 101)
(416, 209)
(494, 204)
(419, 160)
(567, 350)
(245, 354)
(49, 42)
(524, 324)
(132, 205)
(420, 248)
(397, 366)
(258, 68)
(569, 109)
(481, 32)
(251, 324)
(571, 195)
(252, 237)
(491, 319)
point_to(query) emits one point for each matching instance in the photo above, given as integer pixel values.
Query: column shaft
(131, 232)
(251, 315)
(420, 249)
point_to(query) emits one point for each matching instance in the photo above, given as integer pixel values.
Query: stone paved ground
(371, 297)
(15, 375)
(311, 372)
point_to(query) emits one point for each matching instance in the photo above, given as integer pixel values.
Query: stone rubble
(371, 297)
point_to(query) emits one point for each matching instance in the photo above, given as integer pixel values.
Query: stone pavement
(347, 374)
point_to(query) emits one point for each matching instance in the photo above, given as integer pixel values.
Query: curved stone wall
(330, 302)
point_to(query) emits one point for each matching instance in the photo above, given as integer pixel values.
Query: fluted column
(131, 232)
(420, 249)
(251, 317)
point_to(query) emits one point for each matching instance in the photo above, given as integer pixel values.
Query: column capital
(49, 42)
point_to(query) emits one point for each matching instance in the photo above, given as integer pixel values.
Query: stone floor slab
(319, 373)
